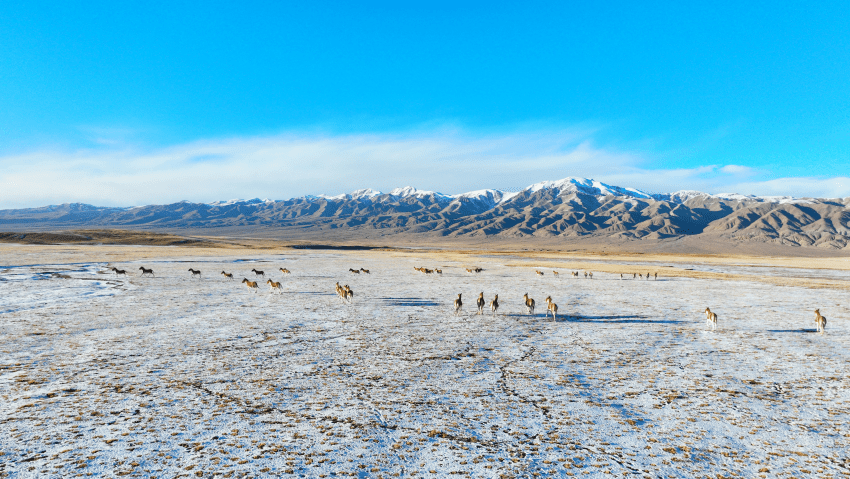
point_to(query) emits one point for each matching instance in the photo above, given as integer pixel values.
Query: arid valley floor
(173, 376)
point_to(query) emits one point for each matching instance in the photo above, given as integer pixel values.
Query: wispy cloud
(738, 170)
(286, 166)
(835, 187)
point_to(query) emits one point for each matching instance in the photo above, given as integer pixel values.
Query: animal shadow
(409, 302)
(625, 319)
(801, 330)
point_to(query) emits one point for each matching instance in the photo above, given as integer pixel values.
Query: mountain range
(567, 208)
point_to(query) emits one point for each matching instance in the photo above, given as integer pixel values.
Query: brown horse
(529, 304)
(274, 286)
(551, 308)
(494, 305)
(252, 285)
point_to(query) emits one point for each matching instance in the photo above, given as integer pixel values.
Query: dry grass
(94, 237)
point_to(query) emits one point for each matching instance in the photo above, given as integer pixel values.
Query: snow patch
(239, 201)
(586, 186)
(366, 193)
(490, 198)
(408, 191)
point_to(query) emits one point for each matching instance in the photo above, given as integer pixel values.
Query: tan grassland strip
(732, 260)
(574, 262)
(17, 254)
(682, 273)
(709, 259)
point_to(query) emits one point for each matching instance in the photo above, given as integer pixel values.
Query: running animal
(146, 271)
(555, 273)
(227, 275)
(458, 304)
(258, 273)
(274, 286)
(345, 293)
(195, 272)
(820, 321)
(252, 285)
(119, 271)
(480, 303)
(551, 308)
(539, 273)
(355, 271)
(284, 271)
(529, 304)
(494, 305)
(364, 270)
(711, 318)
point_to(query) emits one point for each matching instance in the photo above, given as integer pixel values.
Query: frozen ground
(172, 376)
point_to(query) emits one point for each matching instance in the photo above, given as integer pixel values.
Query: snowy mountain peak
(365, 193)
(488, 197)
(785, 200)
(682, 196)
(411, 191)
(480, 194)
(587, 186)
(239, 201)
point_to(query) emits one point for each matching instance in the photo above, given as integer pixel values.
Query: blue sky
(260, 100)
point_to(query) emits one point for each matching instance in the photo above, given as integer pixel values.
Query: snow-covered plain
(173, 376)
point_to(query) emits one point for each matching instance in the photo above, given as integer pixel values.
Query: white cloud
(285, 166)
(836, 187)
(738, 170)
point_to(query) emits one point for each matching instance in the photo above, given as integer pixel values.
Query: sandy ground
(173, 376)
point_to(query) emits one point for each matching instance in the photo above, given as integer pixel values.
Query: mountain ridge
(568, 208)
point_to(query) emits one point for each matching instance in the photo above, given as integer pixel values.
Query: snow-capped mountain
(254, 201)
(570, 207)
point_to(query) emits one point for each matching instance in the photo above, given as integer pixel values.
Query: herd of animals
(346, 294)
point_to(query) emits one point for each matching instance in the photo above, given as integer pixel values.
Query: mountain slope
(572, 207)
